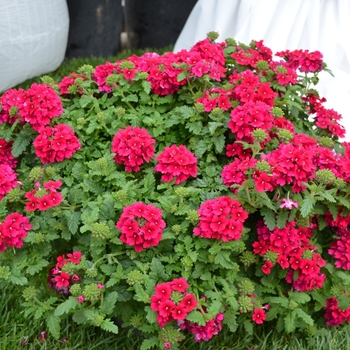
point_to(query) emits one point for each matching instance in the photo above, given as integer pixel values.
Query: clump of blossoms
(13, 230)
(133, 147)
(44, 198)
(221, 218)
(141, 226)
(262, 213)
(176, 163)
(55, 144)
(171, 301)
(59, 279)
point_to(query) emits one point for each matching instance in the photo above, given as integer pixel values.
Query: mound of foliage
(178, 193)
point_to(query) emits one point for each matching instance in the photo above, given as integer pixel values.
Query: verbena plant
(174, 193)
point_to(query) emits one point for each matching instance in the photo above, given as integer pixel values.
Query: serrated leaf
(248, 326)
(157, 271)
(289, 322)
(73, 222)
(109, 301)
(196, 317)
(269, 218)
(146, 85)
(36, 267)
(149, 343)
(70, 304)
(299, 297)
(304, 316)
(20, 144)
(109, 326)
(53, 325)
(283, 301)
(230, 320)
(282, 218)
(219, 143)
(307, 206)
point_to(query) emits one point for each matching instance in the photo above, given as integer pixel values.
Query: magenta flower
(288, 203)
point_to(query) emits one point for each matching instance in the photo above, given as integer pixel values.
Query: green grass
(14, 326)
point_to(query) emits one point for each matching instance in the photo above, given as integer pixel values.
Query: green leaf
(196, 317)
(53, 324)
(299, 297)
(109, 326)
(223, 259)
(149, 343)
(289, 322)
(34, 268)
(73, 222)
(283, 301)
(230, 320)
(219, 143)
(269, 218)
(157, 271)
(20, 144)
(109, 303)
(307, 206)
(200, 149)
(304, 316)
(70, 304)
(282, 218)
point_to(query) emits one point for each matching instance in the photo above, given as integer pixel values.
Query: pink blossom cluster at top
(36, 106)
(206, 332)
(49, 199)
(6, 156)
(68, 81)
(133, 146)
(304, 60)
(295, 252)
(172, 302)
(221, 218)
(8, 179)
(13, 230)
(141, 226)
(334, 315)
(176, 162)
(61, 280)
(204, 58)
(55, 144)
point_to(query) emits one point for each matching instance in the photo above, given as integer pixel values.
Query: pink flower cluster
(334, 315)
(216, 97)
(292, 244)
(176, 162)
(141, 226)
(8, 179)
(68, 81)
(133, 146)
(6, 156)
(49, 199)
(172, 302)
(61, 280)
(13, 230)
(204, 58)
(206, 332)
(36, 106)
(221, 218)
(55, 144)
(304, 60)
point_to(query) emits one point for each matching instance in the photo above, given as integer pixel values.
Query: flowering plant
(178, 193)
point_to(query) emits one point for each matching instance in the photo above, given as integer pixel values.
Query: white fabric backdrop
(322, 25)
(33, 38)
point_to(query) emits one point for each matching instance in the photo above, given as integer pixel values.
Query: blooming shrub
(178, 193)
